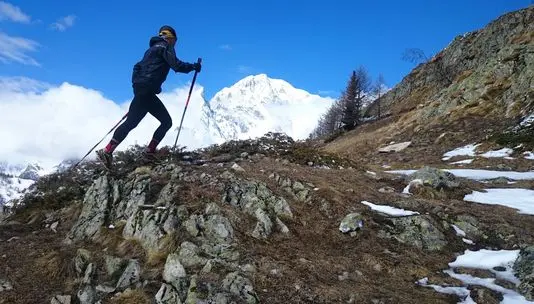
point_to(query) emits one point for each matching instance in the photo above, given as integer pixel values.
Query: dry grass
(133, 296)
(57, 265)
(131, 249)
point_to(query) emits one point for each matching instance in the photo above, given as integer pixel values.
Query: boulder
(436, 178)
(352, 222)
(419, 231)
(524, 271)
(395, 147)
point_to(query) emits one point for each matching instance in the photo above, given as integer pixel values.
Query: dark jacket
(152, 70)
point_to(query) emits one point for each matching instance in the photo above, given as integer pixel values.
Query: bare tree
(378, 88)
(417, 56)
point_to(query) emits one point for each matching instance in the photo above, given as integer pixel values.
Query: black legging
(144, 102)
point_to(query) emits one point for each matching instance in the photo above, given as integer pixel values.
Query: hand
(197, 67)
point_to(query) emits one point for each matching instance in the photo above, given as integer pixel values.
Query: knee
(167, 123)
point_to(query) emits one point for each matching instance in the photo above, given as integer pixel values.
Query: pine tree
(357, 88)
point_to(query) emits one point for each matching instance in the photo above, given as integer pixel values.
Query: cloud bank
(46, 123)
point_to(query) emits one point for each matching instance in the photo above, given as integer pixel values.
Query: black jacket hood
(155, 40)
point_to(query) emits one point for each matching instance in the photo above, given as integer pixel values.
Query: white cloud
(62, 24)
(10, 12)
(225, 47)
(41, 122)
(15, 49)
(49, 123)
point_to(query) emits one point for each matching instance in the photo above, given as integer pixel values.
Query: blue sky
(313, 45)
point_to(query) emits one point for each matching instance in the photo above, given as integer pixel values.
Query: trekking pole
(100, 141)
(186, 103)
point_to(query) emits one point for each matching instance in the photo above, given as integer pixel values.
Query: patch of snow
(389, 210)
(529, 120)
(529, 155)
(370, 172)
(487, 260)
(517, 198)
(504, 152)
(459, 232)
(463, 162)
(467, 241)
(479, 174)
(468, 150)
(462, 292)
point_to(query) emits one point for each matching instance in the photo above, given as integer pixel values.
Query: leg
(158, 110)
(136, 113)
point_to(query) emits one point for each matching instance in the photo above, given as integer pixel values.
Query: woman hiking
(147, 78)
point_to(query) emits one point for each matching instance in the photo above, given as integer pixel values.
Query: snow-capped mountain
(14, 179)
(250, 108)
(258, 104)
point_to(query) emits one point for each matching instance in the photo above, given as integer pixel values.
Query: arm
(176, 64)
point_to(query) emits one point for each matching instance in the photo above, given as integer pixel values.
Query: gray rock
(89, 274)
(351, 222)
(135, 194)
(189, 255)
(130, 276)
(486, 296)
(87, 295)
(96, 204)
(469, 225)
(114, 265)
(418, 231)
(150, 226)
(81, 260)
(395, 147)
(61, 300)
(218, 229)
(167, 295)
(105, 289)
(174, 270)
(436, 178)
(524, 270)
(264, 226)
(5, 285)
(237, 168)
(240, 286)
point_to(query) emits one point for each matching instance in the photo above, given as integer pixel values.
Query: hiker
(147, 77)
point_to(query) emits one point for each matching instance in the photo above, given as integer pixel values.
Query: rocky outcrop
(524, 270)
(493, 64)
(203, 267)
(257, 200)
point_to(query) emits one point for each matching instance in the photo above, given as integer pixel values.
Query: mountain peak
(260, 89)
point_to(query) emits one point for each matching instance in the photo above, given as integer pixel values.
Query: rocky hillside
(479, 89)
(258, 221)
